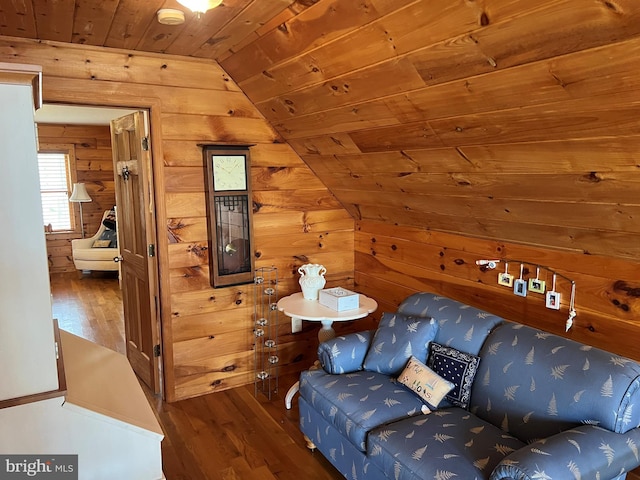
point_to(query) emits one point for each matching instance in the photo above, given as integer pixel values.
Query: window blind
(54, 189)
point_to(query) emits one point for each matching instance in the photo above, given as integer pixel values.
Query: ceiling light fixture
(200, 7)
(170, 16)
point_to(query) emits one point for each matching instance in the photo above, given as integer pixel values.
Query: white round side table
(296, 307)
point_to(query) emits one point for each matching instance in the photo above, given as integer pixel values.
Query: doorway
(77, 125)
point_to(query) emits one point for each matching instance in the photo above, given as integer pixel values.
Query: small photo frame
(553, 300)
(505, 279)
(520, 287)
(536, 285)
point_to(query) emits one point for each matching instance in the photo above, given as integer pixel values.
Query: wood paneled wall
(94, 167)
(459, 130)
(296, 221)
(514, 121)
(393, 262)
(207, 333)
(480, 125)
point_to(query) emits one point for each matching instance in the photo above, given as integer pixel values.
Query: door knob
(118, 259)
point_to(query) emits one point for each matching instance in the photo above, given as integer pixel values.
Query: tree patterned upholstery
(364, 400)
(461, 326)
(464, 445)
(542, 407)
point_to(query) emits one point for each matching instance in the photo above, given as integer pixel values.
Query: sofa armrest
(345, 354)
(586, 451)
(82, 243)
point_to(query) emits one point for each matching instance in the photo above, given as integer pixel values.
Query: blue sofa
(541, 407)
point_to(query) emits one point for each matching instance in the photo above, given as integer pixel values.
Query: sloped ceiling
(509, 119)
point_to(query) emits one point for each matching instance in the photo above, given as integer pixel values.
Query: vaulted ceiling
(515, 120)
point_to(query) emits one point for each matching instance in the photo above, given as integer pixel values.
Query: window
(55, 185)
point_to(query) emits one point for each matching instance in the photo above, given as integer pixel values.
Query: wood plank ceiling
(515, 120)
(133, 25)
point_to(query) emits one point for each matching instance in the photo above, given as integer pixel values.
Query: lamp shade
(200, 6)
(79, 194)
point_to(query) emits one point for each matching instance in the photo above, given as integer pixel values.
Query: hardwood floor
(228, 435)
(90, 306)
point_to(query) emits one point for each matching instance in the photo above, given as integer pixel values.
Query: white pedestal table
(296, 307)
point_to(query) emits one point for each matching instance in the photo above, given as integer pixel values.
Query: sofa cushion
(460, 326)
(536, 384)
(426, 383)
(397, 338)
(447, 444)
(344, 456)
(95, 255)
(354, 403)
(458, 367)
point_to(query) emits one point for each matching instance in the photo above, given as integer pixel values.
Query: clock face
(229, 172)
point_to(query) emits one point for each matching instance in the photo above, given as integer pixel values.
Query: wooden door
(136, 237)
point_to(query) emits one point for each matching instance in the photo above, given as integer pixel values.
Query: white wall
(105, 418)
(27, 349)
(106, 449)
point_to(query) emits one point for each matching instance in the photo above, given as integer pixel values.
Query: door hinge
(145, 144)
(152, 250)
(156, 350)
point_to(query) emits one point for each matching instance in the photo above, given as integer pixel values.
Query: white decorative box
(339, 299)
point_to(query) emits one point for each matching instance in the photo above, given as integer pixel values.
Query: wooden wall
(94, 167)
(393, 262)
(207, 333)
(515, 121)
(489, 123)
(459, 130)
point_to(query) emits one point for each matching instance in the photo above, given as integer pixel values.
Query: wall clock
(229, 214)
(229, 172)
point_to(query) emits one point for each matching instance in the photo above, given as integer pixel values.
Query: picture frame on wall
(553, 300)
(520, 288)
(536, 285)
(505, 279)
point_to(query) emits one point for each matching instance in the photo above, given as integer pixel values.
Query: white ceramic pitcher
(312, 280)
